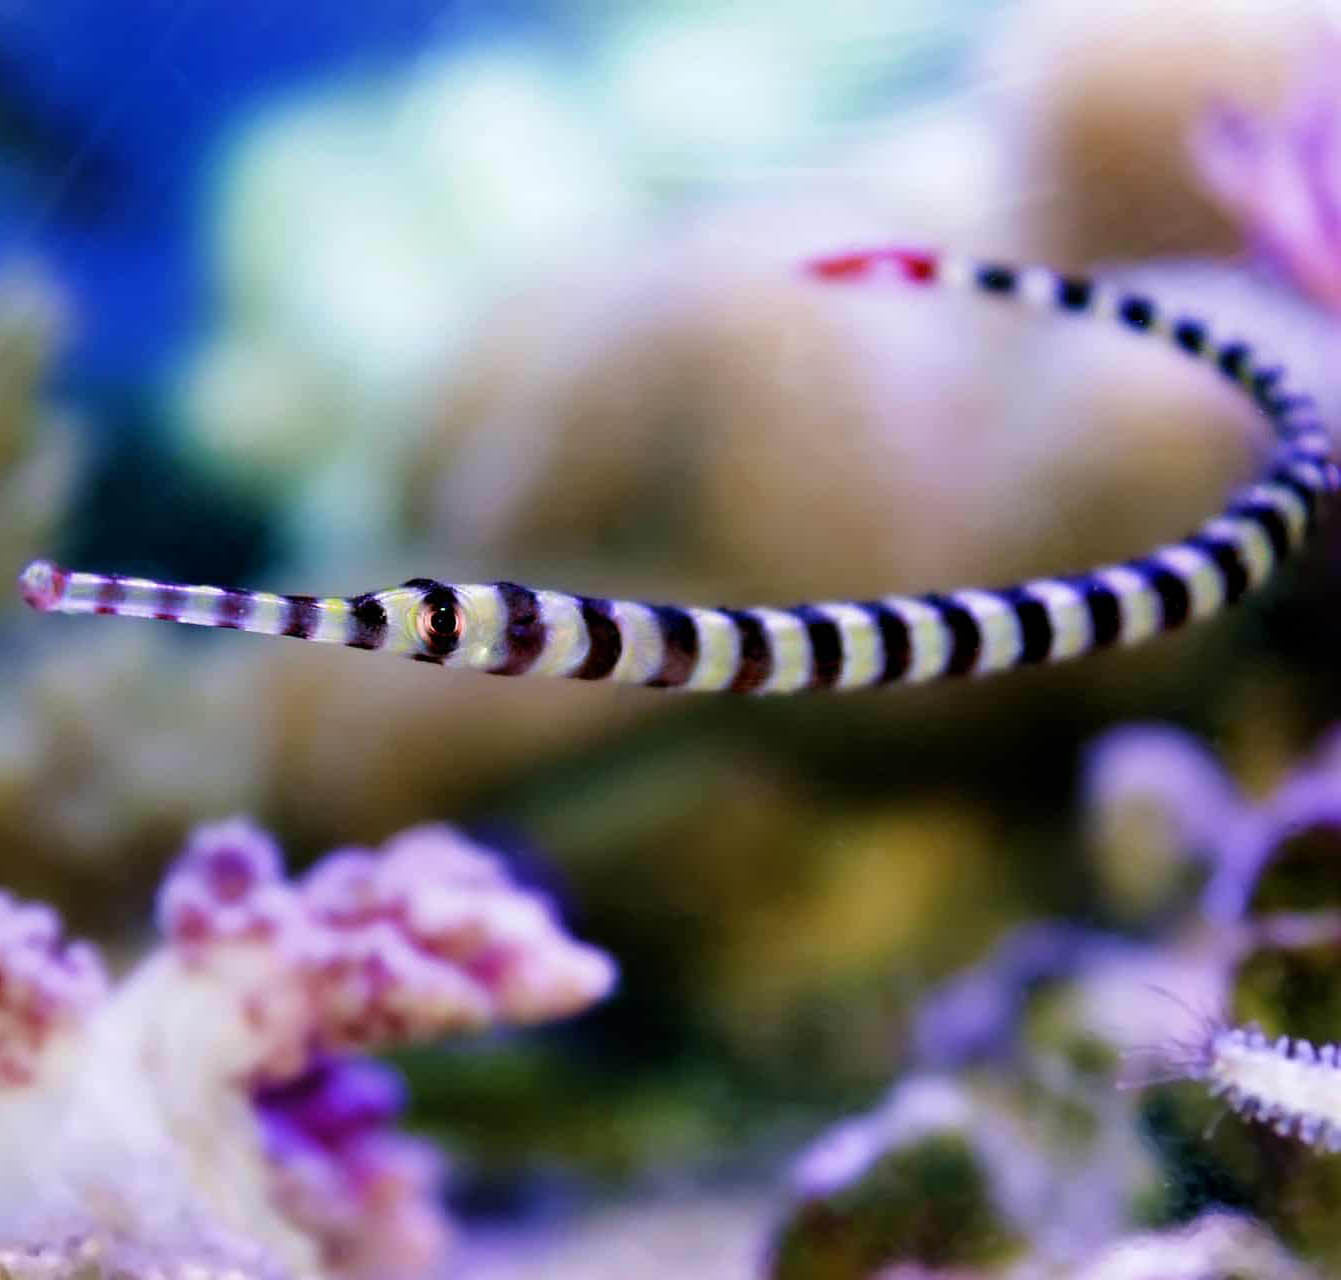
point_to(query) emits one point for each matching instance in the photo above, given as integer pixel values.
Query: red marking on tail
(841, 268)
(915, 265)
(920, 267)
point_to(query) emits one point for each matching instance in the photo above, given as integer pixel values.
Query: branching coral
(1156, 795)
(1268, 864)
(208, 1117)
(1053, 1165)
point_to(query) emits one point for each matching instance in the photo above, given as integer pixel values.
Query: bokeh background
(318, 295)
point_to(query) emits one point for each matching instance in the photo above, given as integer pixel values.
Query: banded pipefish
(512, 630)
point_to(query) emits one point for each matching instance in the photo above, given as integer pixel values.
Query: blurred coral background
(317, 296)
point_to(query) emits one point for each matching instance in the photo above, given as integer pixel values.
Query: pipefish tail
(512, 630)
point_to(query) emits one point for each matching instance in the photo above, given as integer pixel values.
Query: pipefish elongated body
(505, 629)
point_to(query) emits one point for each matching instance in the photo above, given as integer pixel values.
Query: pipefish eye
(438, 624)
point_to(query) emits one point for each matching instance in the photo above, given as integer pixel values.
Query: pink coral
(426, 938)
(1282, 178)
(227, 884)
(212, 1117)
(47, 986)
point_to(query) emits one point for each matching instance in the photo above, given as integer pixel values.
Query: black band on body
(679, 638)
(300, 617)
(756, 653)
(894, 638)
(965, 634)
(232, 609)
(367, 629)
(523, 632)
(1267, 518)
(1105, 611)
(1174, 597)
(605, 643)
(1035, 625)
(170, 603)
(1228, 559)
(826, 646)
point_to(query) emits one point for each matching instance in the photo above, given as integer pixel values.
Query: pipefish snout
(506, 629)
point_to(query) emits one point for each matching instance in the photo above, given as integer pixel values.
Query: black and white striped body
(506, 629)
